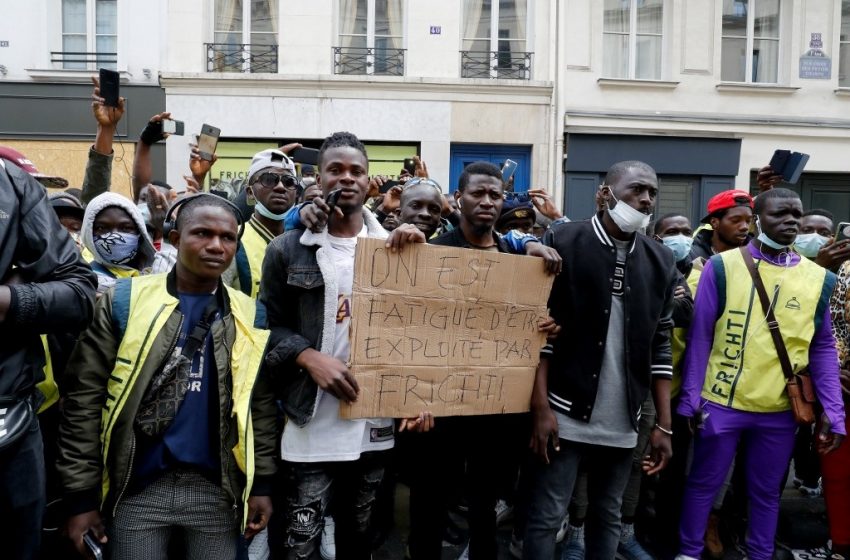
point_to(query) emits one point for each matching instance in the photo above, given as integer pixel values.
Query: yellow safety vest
(679, 335)
(141, 314)
(743, 371)
(47, 387)
(250, 255)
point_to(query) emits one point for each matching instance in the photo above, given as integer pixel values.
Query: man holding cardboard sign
(493, 306)
(306, 290)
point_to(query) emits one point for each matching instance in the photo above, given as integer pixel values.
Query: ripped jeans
(352, 485)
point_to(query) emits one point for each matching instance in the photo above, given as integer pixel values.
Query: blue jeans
(608, 470)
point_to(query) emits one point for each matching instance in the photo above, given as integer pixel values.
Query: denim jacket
(299, 293)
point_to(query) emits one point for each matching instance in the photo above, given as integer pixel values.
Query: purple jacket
(823, 357)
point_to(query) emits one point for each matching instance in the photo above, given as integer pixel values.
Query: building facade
(704, 90)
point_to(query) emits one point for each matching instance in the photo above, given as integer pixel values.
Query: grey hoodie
(107, 272)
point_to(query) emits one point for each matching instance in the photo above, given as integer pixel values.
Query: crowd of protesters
(173, 366)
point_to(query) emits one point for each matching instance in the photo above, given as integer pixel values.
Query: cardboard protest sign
(449, 330)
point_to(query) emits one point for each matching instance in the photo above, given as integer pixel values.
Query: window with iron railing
(89, 35)
(228, 57)
(371, 37)
(494, 40)
(244, 37)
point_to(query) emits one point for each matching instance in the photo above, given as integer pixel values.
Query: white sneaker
(503, 512)
(819, 553)
(465, 554)
(327, 547)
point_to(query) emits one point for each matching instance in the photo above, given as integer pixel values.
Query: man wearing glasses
(272, 186)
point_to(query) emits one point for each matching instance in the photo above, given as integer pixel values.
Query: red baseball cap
(21, 161)
(727, 199)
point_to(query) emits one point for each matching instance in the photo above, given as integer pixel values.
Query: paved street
(802, 524)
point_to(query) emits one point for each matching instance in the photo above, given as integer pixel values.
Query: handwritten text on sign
(449, 330)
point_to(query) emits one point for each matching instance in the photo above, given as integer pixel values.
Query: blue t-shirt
(192, 438)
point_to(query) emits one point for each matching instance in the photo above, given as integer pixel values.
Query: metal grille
(362, 60)
(496, 64)
(228, 57)
(95, 58)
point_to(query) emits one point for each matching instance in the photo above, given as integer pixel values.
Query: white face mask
(627, 218)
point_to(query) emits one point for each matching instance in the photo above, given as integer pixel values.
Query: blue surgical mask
(808, 244)
(116, 247)
(679, 244)
(767, 240)
(266, 213)
(144, 211)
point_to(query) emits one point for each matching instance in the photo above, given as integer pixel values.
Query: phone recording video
(170, 126)
(410, 166)
(207, 141)
(842, 232)
(109, 87)
(508, 169)
(305, 155)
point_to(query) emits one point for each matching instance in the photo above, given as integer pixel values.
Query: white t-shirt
(327, 437)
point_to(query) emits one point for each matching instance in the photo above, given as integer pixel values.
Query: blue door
(464, 154)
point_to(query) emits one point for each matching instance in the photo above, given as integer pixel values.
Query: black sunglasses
(270, 180)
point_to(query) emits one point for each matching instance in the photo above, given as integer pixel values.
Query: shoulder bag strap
(772, 324)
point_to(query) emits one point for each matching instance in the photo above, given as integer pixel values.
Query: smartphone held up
(208, 141)
(170, 126)
(109, 87)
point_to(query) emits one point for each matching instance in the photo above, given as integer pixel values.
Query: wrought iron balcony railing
(496, 64)
(362, 60)
(230, 57)
(84, 60)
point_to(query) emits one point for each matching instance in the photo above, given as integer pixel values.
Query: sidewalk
(802, 524)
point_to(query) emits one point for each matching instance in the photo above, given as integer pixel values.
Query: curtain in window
(766, 41)
(74, 30)
(352, 23)
(476, 34)
(511, 34)
(106, 26)
(615, 39)
(733, 51)
(228, 22)
(650, 20)
(264, 15)
(389, 22)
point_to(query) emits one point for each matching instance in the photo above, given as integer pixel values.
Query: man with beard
(730, 214)
(614, 301)
(485, 444)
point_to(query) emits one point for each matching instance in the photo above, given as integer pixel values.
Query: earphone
(170, 222)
